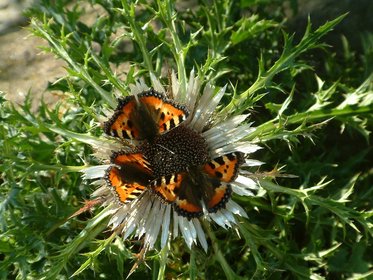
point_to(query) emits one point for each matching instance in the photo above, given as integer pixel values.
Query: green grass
(312, 220)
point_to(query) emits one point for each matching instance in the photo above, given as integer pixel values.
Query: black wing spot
(220, 160)
(181, 118)
(231, 156)
(168, 179)
(218, 174)
(172, 123)
(211, 165)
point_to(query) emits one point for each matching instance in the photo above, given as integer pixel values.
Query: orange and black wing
(144, 116)
(124, 191)
(167, 187)
(220, 193)
(125, 158)
(133, 119)
(171, 115)
(198, 191)
(188, 202)
(208, 187)
(190, 193)
(226, 167)
(179, 190)
(129, 177)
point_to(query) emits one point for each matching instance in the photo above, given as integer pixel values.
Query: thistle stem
(229, 273)
(163, 261)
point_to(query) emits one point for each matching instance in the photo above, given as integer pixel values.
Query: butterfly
(192, 190)
(145, 116)
(200, 189)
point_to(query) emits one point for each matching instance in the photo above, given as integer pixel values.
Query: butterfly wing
(220, 172)
(144, 117)
(208, 186)
(171, 115)
(198, 191)
(136, 159)
(166, 187)
(191, 192)
(124, 191)
(179, 190)
(218, 195)
(133, 119)
(224, 168)
(129, 177)
(188, 202)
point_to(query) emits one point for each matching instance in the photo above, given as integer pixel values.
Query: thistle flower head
(174, 163)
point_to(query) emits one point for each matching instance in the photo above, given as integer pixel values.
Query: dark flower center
(175, 151)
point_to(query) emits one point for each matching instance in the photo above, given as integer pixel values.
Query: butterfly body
(172, 161)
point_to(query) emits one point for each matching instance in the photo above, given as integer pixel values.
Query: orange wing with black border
(130, 176)
(124, 191)
(225, 167)
(144, 116)
(167, 187)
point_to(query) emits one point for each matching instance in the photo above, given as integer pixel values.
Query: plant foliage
(312, 218)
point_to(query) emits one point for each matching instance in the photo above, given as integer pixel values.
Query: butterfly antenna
(166, 149)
